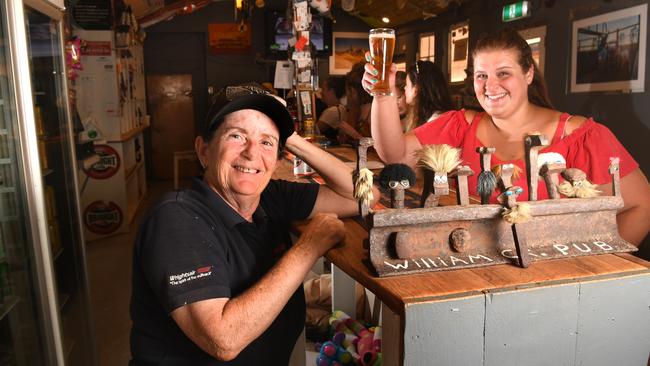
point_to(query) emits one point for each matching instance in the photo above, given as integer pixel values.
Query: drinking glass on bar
(382, 46)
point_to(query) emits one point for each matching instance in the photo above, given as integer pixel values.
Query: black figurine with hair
(396, 173)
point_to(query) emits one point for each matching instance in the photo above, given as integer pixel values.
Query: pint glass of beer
(382, 45)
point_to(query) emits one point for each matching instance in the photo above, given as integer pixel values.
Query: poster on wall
(92, 14)
(608, 51)
(229, 38)
(348, 49)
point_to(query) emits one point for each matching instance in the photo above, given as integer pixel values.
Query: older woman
(215, 277)
(512, 92)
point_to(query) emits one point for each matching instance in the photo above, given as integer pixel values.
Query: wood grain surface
(352, 257)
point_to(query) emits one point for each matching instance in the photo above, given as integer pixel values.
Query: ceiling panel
(371, 12)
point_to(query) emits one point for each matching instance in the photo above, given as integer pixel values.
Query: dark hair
(353, 81)
(509, 39)
(400, 80)
(337, 84)
(433, 94)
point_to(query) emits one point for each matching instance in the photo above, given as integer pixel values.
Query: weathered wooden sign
(452, 237)
(432, 238)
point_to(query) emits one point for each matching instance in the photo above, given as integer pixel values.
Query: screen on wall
(279, 31)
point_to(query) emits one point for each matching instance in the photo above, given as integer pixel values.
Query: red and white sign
(108, 164)
(102, 217)
(96, 48)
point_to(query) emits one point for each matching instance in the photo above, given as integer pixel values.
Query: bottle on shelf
(309, 129)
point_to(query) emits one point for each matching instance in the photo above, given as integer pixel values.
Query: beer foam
(382, 35)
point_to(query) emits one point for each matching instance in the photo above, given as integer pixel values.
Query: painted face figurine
(577, 185)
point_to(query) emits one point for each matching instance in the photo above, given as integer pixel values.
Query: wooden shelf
(50, 139)
(46, 172)
(7, 305)
(131, 134)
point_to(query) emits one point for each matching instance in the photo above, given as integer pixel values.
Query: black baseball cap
(235, 98)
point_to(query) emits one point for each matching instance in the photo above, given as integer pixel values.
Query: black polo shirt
(193, 246)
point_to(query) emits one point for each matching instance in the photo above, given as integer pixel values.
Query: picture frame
(608, 51)
(348, 48)
(458, 52)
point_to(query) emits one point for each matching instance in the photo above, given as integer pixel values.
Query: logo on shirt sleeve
(185, 277)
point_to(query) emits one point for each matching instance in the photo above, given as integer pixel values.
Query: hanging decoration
(73, 57)
(128, 31)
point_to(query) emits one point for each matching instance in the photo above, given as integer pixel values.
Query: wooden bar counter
(590, 311)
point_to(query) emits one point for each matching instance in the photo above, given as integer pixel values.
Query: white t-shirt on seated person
(334, 115)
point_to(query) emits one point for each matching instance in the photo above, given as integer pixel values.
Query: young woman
(359, 103)
(513, 94)
(400, 95)
(426, 93)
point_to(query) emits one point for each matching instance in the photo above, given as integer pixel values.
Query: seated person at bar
(215, 277)
(358, 103)
(330, 120)
(512, 92)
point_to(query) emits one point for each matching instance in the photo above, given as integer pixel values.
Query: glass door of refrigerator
(55, 139)
(20, 321)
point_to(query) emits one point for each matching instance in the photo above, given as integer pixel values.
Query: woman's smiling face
(241, 157)
(501, 86)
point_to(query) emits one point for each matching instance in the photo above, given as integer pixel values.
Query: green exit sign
(515, 11)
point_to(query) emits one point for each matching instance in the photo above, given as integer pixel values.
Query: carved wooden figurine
(397, 192)
(437, 161)
(515, 214)
(577, 185)
(487, 181)
(616, 176)
(462, 193)
(551, 164)
(397, 178)
(363, 177)
(533, 143)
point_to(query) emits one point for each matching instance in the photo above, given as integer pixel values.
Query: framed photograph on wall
(348, 49)
(458, 52)
(608, 51)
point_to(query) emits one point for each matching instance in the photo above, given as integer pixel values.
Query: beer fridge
(44, 300)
